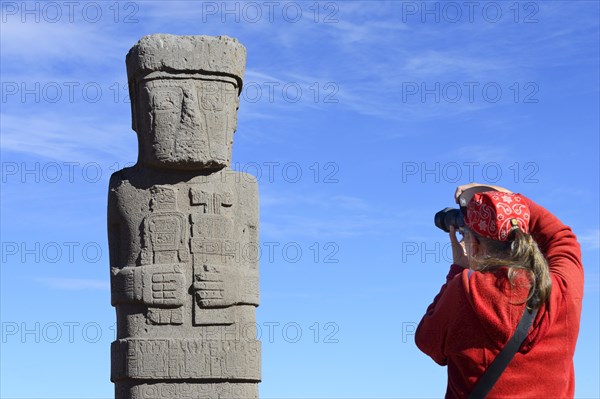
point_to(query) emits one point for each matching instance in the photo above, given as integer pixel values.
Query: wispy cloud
(329, 216)
(335, 201)
(53, 47)
(54, 137)
(374, 59)
(323, 227)
(482, 153)
(590, 240)
(74, 283)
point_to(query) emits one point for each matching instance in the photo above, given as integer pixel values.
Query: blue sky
(359, 120)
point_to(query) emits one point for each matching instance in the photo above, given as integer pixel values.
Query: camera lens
(449, 217)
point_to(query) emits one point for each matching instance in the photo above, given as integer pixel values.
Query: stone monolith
(183, 229)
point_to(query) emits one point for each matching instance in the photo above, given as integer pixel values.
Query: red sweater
(472, 318)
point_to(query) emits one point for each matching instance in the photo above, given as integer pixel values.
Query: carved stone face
(186, 122)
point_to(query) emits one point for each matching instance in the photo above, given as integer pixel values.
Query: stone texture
(183, 229)
(220, 55)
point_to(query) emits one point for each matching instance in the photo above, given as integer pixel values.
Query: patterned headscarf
(494, 214)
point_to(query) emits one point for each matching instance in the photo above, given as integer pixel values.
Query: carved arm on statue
(160, 286)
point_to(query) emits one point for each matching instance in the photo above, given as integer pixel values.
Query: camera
(455, 217)
(449, 217)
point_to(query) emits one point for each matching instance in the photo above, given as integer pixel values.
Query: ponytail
(521, 252)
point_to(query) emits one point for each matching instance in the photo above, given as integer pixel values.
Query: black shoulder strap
(491, 375)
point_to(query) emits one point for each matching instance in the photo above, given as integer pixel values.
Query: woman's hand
(465, 192)
(459, 253)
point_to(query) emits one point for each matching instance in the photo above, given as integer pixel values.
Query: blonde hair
(520, 252)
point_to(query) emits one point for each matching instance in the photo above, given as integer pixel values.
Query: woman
(514, 255)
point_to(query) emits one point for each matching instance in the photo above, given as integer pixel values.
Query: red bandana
(493, 214)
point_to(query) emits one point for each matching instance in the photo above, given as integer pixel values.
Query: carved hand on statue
(167, 289)
(153, 285)
(218, 286)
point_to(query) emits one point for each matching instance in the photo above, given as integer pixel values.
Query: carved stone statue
(183, 229)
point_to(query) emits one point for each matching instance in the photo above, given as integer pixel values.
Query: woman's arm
(431, 333)
(559, 246)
